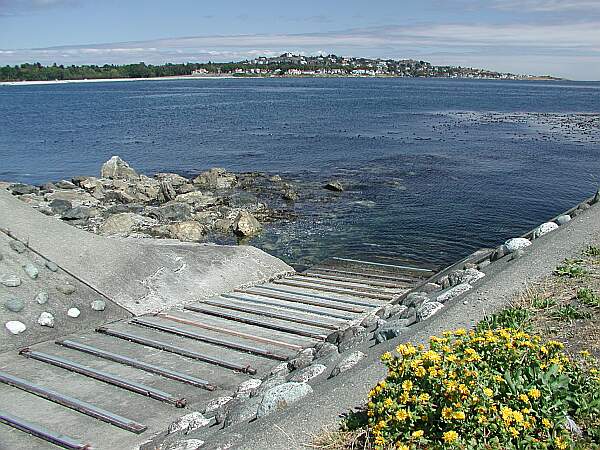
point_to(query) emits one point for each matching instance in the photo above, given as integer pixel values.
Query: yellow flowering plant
(499, 388)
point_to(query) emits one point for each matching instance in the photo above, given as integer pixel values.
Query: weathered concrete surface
(296, 427)
(140, 275)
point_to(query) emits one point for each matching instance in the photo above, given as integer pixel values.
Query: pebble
(46, 320)
(14, 305)
(561, 220)
(10, 280)
(31, 271)
(42, 298)
(17, 246)
(52, 267)
(73, 312)
(98, 305)
(66, 288)
(15, 327)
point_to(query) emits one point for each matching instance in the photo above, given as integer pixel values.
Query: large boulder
(123, 223)
(172, 212)
(215, 178)
(196, 199)
(245, 224)
(116, 168)
(281, 396)
(188, 231)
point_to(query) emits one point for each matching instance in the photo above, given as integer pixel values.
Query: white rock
(216, 403)
(116, 168)
(245, 389)
(453, 292)
(73, 312)
(428, 309)
(515, 244)
(15, 327)
(308, 373)
(42, 298)
(281, 396)
(188, 423)
(544, 228)
(561, 220)
(46, 320)
(186, 444)
(98, 305)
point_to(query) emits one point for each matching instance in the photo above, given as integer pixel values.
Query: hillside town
(292, 65)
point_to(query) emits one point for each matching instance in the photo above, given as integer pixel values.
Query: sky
(554, 37)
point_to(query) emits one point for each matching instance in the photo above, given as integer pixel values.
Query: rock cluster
(124, 203)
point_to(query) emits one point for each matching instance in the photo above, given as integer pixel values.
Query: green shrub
(517, 318)
(487, 389)
(571, 268)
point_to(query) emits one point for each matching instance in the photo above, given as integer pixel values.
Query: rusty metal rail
(273, 315)
(208, 339)
(399, 279)
(105, 377)
(279, 305)
(73, 403)
(345, 279)
(38, 431)
(151, 368)
(231, 332)
(177, 350)
(318, 287)
(322, 297)
(302, 300)
(258, 322)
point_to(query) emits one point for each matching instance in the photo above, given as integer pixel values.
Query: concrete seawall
(139, 275)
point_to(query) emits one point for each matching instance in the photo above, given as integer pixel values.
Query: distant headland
(285, 65)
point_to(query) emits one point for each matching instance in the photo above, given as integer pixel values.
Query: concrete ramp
(140, 275)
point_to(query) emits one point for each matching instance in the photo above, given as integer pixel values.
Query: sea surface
(433, 168)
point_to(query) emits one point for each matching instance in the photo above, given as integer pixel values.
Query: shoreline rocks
(211, 207)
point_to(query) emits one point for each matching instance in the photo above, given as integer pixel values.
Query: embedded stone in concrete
(217, 403)
(469, 275)
(10, 280)
(280, 397)
(562, 219)
(543, 229)
(73, 312)
(245, 389)
(244, 411)
(52, 267)
(325, 349)
(14, 305)
(515, 244)
(428, 309)
(454, 291)
(98, 305)
(46, 320)
(66, 288)
(31, 271)
(430, 287)
(268, 383)
(347, 363)
(416, 299)
(282, 368)
(300, 362)
(308, 373)
(186, 444)
(17, 246)
(483, 264)
(393, 329)
(42, 298)
(188, 423)
(15, 327)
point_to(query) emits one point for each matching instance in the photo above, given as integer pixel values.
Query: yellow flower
(488, 392)
(379, 440)
(388, 403)
(418, 434)
(560, 443)
(518, 416)
(534, 393)
(546, 423)
(524, 398)
(402, 446)
(459, 415)
(450, 436)
(407, 385)
(402, 415)
(585, 353)
(424, 397)
(387, 356)
(460, 332)
(420, 372)
(447, 412)
(513, 431)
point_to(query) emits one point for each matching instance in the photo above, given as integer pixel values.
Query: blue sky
(558, 37)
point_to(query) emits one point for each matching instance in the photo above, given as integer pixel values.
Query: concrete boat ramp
(174, 326)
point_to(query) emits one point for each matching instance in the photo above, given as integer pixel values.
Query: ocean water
(434, 169)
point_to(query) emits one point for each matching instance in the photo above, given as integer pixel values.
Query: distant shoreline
(218, 77)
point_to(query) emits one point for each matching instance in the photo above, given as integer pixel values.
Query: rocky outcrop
(116, 168)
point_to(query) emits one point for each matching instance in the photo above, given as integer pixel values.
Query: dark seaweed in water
(433, 169)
